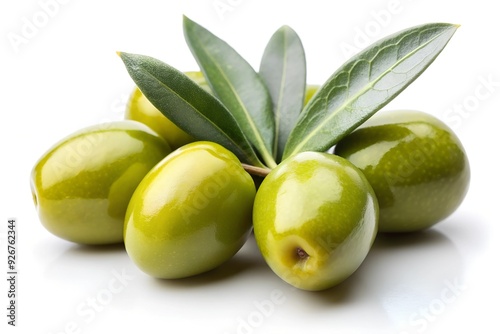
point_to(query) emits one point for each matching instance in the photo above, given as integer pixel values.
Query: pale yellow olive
(310, 91)
(140, 109)
(416, 165)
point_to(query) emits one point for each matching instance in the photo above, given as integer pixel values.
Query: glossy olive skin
(140, 109)
(82, 185)
(416, 165)
(315, 219)
(191, 213)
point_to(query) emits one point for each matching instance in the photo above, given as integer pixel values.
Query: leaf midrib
(281, 92)
(221, 131)
(360, 93)
(240, 102)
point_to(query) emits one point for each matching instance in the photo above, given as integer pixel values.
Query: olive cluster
(191, 210)
(203, 158)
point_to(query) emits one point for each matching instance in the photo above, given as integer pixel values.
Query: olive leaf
(365, 84)
(237, 85)
(189, 106)
(283, 69)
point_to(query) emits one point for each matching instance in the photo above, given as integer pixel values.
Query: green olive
(416, 165)
(140, 109)
(315, 219)
(82, 186)
(310, 91)
(191, 213)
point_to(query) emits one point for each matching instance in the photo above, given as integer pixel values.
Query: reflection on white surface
(412, 272)
(404, 285)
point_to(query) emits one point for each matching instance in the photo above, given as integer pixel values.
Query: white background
(65, 75)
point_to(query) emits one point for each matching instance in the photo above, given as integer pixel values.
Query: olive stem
(254, 170)
(269, 160)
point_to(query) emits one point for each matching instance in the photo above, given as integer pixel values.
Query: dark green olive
(416, 165)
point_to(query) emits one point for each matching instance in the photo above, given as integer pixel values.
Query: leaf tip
(123, 55)
(186, 19)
